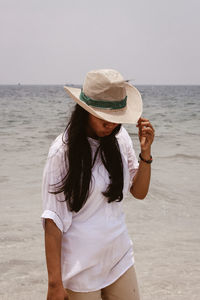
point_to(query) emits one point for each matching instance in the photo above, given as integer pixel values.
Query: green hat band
(102, 103)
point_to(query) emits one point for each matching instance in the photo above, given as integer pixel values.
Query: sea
(164, 227)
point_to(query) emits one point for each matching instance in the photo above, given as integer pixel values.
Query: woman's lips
(104, 133)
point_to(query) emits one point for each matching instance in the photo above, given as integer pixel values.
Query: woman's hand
(141, 180)
(146, 134)
(57, 293)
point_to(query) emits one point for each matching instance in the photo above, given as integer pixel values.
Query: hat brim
(130, 114)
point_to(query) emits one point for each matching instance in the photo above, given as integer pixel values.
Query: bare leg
(124, 288)
(84, 296)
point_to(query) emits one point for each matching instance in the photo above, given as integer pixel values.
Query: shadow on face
(98, 127)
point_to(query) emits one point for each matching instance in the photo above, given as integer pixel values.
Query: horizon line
(73, 84)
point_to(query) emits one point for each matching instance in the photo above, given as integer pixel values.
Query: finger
(147, 129)
(147, 124)
(147, 138)
(144, 122)
(66, 297)
(142, 119)
(141, 123)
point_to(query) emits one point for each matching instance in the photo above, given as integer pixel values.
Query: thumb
(143, 140)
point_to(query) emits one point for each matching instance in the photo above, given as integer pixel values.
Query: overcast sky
(58, 41)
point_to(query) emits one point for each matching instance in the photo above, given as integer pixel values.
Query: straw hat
(106, 95)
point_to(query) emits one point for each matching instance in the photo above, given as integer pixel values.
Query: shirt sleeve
(54, 206)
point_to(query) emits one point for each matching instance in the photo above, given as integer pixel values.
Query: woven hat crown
(107, 96)
(104, 84)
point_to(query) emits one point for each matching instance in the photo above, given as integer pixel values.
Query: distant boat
(73, 85)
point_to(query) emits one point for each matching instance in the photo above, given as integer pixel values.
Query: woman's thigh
(84, 296)
(124, 288)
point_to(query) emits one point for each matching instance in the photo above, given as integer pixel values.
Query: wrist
(147, 160)
(146, 154)
(54, 284)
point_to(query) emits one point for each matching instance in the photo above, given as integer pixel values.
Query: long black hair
(78, 157)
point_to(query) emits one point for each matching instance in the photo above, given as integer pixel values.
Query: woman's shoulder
(58, 146)
(56, 158)
(123, 136)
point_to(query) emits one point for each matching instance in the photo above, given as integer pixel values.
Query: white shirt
(96, 248)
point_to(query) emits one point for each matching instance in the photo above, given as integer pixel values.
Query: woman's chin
(103, 134)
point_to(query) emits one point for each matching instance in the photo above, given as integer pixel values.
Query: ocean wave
(192, 133)
(181, 155)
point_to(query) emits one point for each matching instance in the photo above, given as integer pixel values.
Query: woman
(89, 170)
